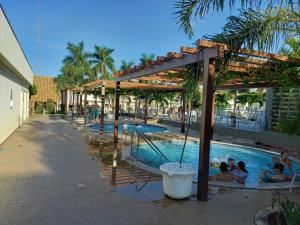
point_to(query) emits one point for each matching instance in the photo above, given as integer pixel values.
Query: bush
(290, 126)
(38, 108)
(50, 106)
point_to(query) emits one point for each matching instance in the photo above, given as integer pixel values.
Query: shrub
(290, 126)
(38, 108)
(50, 106)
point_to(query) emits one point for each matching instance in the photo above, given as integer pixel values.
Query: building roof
(46, 89)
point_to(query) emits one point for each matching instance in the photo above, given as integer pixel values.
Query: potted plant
(177, 179)
(286, 212)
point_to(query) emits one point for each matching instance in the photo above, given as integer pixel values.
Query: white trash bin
(177, 180)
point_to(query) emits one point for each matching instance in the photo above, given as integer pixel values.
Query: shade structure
(243, 62)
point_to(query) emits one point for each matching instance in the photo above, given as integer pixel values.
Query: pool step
(125, 175)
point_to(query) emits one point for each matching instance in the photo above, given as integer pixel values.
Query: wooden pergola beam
(169, 65)
(207, 44)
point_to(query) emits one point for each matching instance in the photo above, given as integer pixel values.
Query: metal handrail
(152, 145)
(148, 141)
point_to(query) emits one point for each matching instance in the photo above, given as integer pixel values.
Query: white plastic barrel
(177, 180)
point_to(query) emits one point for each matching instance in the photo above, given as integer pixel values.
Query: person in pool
(240, 174)
(224, 174)
(285, 161)
(231, 164)
(276, 175)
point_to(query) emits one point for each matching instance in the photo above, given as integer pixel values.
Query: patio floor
(48, 176)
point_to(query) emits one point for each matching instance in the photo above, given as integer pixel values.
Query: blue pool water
(255, 160)
(145, 128)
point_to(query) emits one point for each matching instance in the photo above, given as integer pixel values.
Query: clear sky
(131, 27)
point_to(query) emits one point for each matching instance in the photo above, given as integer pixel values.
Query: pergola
(206, 53)
(129, 87)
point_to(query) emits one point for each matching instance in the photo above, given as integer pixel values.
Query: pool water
(256, 161)
(130, 127)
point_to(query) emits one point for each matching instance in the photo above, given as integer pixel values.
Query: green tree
(76, 69)
(145, 59)
(221, 101)
(103, 62)
(258, 25)
(159, 99)
(126, 65)
(291, 48)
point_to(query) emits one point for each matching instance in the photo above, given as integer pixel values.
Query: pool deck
(49, 176)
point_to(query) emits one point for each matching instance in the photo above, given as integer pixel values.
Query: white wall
(15, 78)
(12, 117)
(11, 51)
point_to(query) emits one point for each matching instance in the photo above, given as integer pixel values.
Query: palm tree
(158, 98)
(103, 62)
(258, 25)
(145, 59)
(126, 65)
(77, 56)
(291, 48)
(76, 67)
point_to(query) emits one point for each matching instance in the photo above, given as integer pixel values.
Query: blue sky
(130, 27)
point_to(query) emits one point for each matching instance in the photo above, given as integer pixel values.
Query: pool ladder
(140, 134)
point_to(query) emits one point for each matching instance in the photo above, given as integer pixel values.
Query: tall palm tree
(126, 65)
(258, 25)
(76, 67)
(103, 62)
(77, 56)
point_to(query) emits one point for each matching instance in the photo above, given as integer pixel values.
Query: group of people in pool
(279, 170)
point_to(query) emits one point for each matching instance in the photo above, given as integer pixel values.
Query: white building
(15, 78)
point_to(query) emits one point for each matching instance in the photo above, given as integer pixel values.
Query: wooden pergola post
(102, 109)
(85, 99)
(182, 124)
(117, 107)
(146, 109)
(80, 101)
(206, 128)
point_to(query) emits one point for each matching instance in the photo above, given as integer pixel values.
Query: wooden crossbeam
(188, 50)
(161, 59)
(174, 55)
(248, 52)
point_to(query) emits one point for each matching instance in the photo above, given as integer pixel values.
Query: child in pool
(224, 174)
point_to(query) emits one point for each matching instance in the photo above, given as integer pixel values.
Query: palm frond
(260, 29)
(186, 10)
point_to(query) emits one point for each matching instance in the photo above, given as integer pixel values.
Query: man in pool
(224, 174)
(276, 175)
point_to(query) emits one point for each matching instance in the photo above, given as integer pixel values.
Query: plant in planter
(288, 212)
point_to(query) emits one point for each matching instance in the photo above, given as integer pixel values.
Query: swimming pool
(144, 127)
(255, 159)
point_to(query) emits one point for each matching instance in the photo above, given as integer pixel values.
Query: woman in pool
(240, 174)
(276, 175)
(224, 174)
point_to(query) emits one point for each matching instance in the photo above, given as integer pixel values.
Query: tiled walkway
(47, 177)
